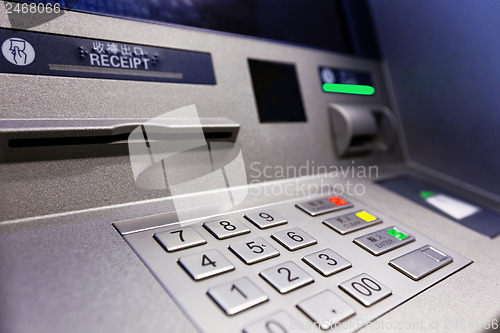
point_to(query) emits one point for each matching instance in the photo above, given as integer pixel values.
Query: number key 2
(286, 277)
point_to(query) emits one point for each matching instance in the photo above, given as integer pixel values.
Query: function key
(286, 277)
(365, 289)
(205, 264)
(293, 239)
(385, 240)
(266, 218)
(226, 228)
(327, 262)
(236, 296)
(348, 223)
(326, 309)
(254, 251)
(421, 262)
(323, 205)
(179, 239)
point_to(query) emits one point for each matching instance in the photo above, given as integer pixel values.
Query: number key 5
(254, 251)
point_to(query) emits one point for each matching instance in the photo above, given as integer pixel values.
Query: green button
(398, 234)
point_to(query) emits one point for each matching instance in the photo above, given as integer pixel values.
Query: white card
(456, 208)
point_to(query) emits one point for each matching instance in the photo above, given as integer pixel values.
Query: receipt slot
(360, 129)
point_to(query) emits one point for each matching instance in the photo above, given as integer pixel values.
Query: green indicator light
(398, 234)
(349, 88)
(426, 194)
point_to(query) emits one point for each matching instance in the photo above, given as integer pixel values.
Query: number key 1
(236, 296)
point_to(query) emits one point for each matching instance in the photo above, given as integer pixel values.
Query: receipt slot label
(170, 153)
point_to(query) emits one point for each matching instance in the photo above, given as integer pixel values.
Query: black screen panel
(277, 91)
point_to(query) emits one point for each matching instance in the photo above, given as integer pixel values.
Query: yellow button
(366, 216)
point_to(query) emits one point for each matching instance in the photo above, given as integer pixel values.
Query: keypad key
(323, 205)
(205, 264)
(326, 309)
(254, 251)
(279, 322)
(293, 239)
(326, 262)
(421, 262)
(286, 277)
(385, 240)
(179, 239)
(365, 289)
(266, 218)
(226, 228)
(351, 222)
(236, 296)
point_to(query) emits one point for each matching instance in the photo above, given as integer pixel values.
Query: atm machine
(249, 166)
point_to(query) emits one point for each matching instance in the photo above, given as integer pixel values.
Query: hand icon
(17, 48)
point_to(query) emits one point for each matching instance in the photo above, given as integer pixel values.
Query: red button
(338, 201)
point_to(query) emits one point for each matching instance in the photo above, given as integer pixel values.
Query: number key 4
(205, 264)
